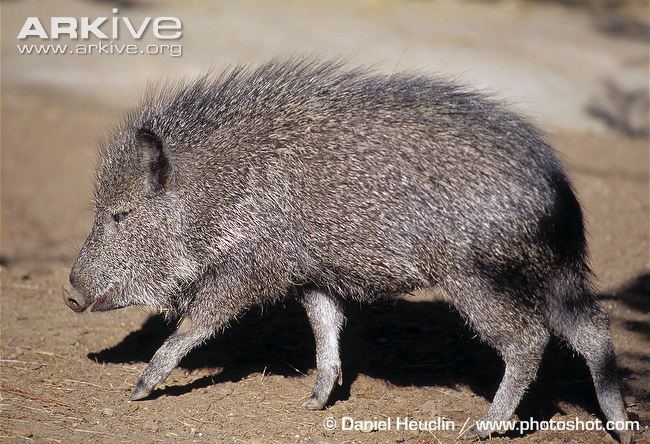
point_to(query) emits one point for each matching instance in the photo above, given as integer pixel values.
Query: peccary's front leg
(217, 301)
(168, 356)
(326, 317)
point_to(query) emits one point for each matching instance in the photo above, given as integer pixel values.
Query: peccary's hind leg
(583, 323)
(326, 317)
(168, 356)
(518, 334)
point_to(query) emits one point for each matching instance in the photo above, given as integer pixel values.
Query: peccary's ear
(155, 162)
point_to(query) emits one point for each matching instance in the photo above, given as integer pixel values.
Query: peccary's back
(367, 182)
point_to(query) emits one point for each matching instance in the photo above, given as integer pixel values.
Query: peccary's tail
(574, 314)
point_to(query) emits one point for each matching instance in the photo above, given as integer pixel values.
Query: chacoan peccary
(308, 179)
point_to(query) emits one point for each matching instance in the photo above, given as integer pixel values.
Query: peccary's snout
(74, 298)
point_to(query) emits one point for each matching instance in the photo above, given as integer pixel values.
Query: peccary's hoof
(140, 392)
(626, 437)
(314, 404)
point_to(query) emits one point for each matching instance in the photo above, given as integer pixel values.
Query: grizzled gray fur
(311, 180)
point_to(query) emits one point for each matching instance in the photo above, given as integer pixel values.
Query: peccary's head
(135, 253)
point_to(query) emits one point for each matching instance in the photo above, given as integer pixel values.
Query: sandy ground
(66, 377)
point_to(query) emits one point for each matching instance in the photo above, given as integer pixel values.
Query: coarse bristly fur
(308, 179)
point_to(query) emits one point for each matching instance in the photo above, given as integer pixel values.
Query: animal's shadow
(405, 343)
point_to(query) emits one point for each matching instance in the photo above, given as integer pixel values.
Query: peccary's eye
(119, 217)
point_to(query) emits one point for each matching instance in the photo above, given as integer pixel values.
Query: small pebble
(430, 408)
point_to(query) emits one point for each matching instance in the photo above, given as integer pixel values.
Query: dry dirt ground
(66, 377)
